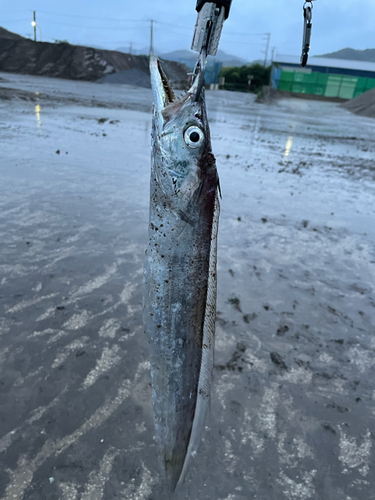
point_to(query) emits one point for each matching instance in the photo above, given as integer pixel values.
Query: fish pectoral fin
(183, 216)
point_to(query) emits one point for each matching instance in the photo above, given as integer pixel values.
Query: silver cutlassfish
(180, 269)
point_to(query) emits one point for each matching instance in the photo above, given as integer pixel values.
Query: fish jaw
(160, 87)
(166, 106)
(179, 168)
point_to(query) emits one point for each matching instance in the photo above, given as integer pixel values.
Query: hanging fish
(180, 269)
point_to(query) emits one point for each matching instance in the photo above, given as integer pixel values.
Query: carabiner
(307, 26)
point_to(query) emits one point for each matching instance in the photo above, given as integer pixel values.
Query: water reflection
(288, 146)
(37, 113)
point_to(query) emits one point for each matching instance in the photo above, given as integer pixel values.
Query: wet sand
(293, 402)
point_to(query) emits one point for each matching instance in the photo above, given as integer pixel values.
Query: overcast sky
(119, 23)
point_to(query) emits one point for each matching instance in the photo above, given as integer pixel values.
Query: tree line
(238, 77)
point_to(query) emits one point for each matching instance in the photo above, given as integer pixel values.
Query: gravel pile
(363, 105)
(75, 62)
(134, 76)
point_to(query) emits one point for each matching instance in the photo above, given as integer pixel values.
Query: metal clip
(307, 26)
(208, 28)
(210, 20)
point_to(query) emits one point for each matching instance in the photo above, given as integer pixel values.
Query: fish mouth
(165, 101)
(169, 95)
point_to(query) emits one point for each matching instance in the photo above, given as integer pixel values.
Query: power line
(16, 20)
(127, 26)
(263, 35)
(177, 26)
(240, 43)
(59, 23)
(244, 34)
(118, 20)
(169, 32)
(95, 18)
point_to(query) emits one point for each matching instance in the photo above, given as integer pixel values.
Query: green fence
(343, 86)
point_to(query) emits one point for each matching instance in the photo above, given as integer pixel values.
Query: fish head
(181, 136)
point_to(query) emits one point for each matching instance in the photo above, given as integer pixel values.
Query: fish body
(180, 271)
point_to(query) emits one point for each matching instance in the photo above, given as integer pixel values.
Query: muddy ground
(293, 402)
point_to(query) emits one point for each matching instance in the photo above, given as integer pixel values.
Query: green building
(323, 76)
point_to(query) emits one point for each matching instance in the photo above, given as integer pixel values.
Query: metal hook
(307, 26)
(199, 70)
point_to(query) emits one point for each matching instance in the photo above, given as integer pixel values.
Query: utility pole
(273, 50)
(34, 25)
(130, 48)
(152, 37)
(273, 54)
(267, 47)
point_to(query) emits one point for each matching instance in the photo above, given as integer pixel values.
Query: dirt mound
(140, 77)
(363, 105)
(268, 95)
(134, 76)
(62, 60)
(9, 35)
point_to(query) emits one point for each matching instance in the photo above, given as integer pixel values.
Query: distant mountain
(352, 54)
(236, 62)
(225, 58)
(188, 55)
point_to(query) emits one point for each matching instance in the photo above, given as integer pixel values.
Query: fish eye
(194, 137)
